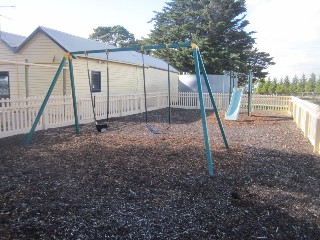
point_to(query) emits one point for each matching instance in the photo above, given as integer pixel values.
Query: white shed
(218, 83)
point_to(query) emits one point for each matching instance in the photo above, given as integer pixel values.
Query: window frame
(98, 88)
(7, 74)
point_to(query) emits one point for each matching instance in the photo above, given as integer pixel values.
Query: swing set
(102, 127)
(199, 68)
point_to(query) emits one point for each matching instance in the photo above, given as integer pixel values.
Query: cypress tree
(218, 27)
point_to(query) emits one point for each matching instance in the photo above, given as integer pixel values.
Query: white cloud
(290, 32)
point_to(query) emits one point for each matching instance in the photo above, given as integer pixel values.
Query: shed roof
(12, 41)
(72, 43)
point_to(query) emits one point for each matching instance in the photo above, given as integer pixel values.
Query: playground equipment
(235, 101)
(234, 107)
(101, 127)
(149, 127)
(250, 82)
(199, 68)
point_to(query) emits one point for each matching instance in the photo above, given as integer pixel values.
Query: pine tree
(281, 87)
(310, 85)
(273, 86)
(317, 85)
(302, 82)
(294, 85)
(286, 83)
(267, 86)
(260, 88)
(218, 27)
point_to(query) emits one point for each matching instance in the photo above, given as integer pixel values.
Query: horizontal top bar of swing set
(162, 46)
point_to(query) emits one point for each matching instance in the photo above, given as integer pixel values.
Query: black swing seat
(101, 127)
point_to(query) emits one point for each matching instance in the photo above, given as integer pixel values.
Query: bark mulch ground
(129, 183)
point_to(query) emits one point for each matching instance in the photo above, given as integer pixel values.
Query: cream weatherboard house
(8, 45)
(28, 65)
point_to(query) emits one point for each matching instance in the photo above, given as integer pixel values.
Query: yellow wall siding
(7, 55)
(157, 80)
(124, 78)
(42, 50)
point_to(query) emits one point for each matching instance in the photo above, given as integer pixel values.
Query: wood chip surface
(128, 183)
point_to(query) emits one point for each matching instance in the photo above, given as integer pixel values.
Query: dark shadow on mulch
(94, 187)
(273, 118)
(162, 116)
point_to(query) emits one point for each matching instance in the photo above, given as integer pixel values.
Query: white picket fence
(259, 102)
(18, 115)
(307, 117)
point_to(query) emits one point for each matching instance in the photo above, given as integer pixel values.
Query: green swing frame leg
(74, 100)
(213, 101)
(46, 99)
(203, 112)
(250, 76)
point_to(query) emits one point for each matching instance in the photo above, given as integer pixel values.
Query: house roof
(72, 43)
(12, 41)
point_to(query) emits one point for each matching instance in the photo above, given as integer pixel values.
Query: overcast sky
(287, 29)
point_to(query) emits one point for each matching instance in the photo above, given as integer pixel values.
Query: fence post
(121, 106)
(141, 103)
(198, 103)
(317, 135)
(293, 114)
(80, 105)
(306, 124)
(45, 121)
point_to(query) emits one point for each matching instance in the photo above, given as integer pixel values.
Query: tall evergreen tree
(266, 86)
(260, 88)
(317, 85)
(294, 85)
(310, 85)
(281, 88)
(286, 84)
(218, 27)
(273, 86)
(303, 82)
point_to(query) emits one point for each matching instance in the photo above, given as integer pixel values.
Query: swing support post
(250, 75)
(215, 109)
(74, 100)
(45, 101)
(202, 109)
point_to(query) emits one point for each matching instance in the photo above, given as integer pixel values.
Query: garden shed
(31, 63)
(218, 83)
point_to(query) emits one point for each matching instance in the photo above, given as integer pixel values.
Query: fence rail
(18, 115)
(307, 117)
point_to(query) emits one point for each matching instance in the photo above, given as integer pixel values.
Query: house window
(4, 85)
(96, 81)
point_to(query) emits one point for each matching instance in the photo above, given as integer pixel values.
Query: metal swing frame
(149, 127)
(199, 68)
(101, 127)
